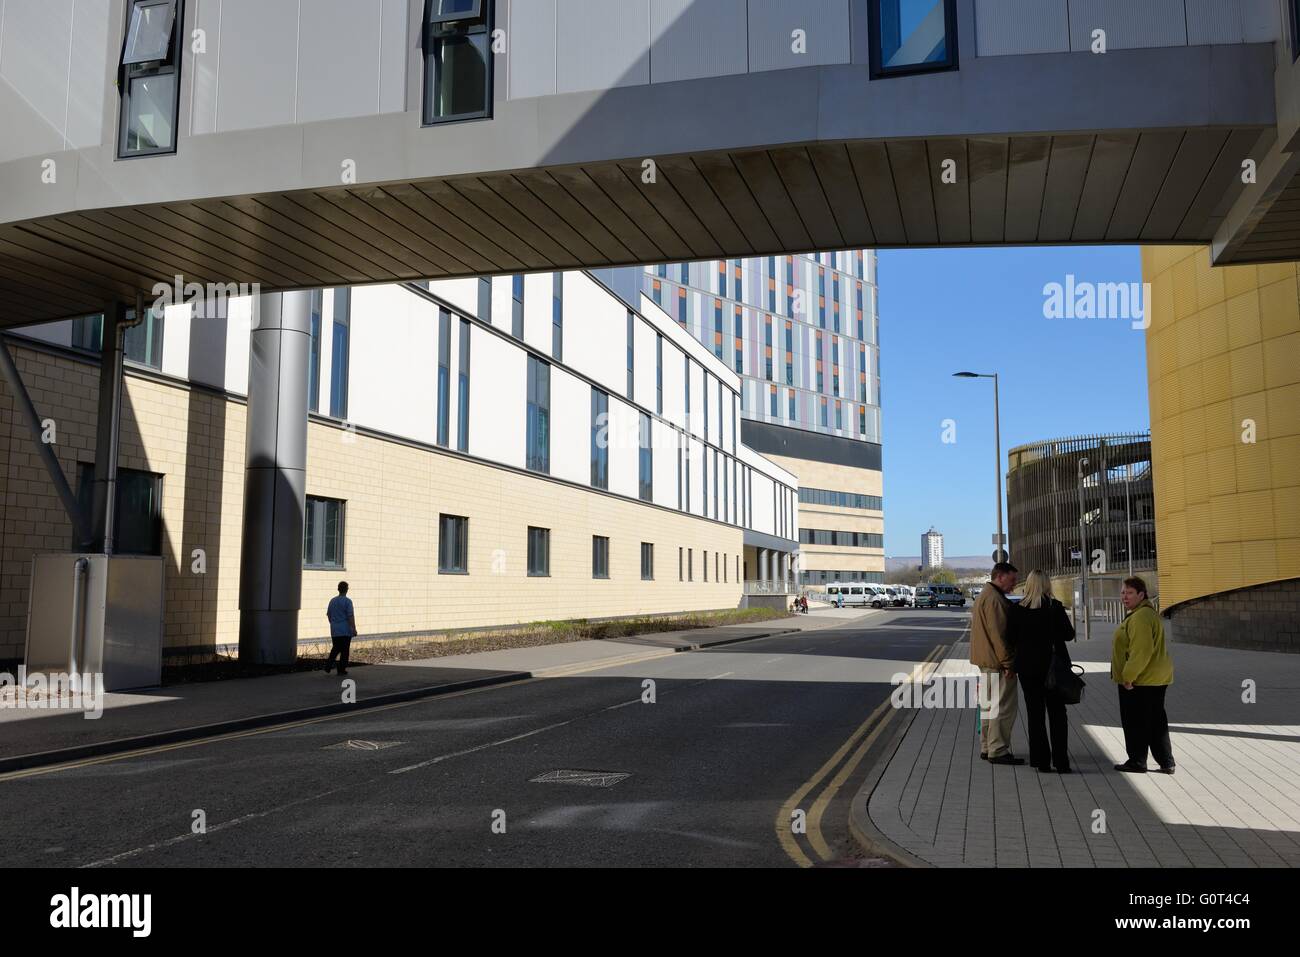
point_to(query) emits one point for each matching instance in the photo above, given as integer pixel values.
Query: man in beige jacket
(991, 652)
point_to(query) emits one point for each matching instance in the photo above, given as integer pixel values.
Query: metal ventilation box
(97, 614)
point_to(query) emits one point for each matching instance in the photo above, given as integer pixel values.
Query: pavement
(32, 737)
(1233, 802)
(742, 754)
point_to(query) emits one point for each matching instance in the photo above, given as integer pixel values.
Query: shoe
(1046, 769)
(1131, 768)
(1168, 770)
(1064, 770)
(327, 669)
(1006, 759)
(984, 756)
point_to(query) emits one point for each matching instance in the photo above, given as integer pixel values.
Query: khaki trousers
(997, 721)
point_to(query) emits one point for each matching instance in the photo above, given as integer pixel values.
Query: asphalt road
(739, 742)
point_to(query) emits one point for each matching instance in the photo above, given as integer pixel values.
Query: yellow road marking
(784, 832)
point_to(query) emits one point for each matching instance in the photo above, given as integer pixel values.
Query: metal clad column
(275, 476)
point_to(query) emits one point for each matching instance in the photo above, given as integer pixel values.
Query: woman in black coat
(1039, 627)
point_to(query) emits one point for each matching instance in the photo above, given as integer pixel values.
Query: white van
(849, 594)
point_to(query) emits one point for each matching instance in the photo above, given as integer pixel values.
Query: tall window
(599, 439)
(322, 545)
(140, 343)
(631, 355)
(457, 60)
(912, 36)
(659, 374)
(444, 375)
(137, 507)
(339, 360)
(149, 78)
(538, 457)
(485, 299)
(557, 317)
(645, 486)
(647, 561)
(453, 545)
(462, 390)
(539, 551)
(517, 306)
(687, 380)
(599, 556)
(313, 357)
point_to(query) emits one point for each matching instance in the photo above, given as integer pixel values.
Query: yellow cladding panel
(1224, 370)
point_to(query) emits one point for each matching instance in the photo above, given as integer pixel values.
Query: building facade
(478, 454)
(931, 549)
(803, 334)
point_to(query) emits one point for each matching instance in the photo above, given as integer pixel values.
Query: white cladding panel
(697, 400)
(532, 50)
(674, 389)
(599, 44)
(393, 362)
(461, 293)
(502, 302)
(498, 389)
(665, 464)
(537, 311)
(644, 364)
(570, 427)
(772, 39)
(690, 39)
(595, 333)
(623, 447)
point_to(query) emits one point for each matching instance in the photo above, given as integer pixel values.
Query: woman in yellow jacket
(1140, 665)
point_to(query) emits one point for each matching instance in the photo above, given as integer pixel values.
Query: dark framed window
(457, 60)
(647, 561)
(453, 545)
(631, 356)
(141, 344)
(339, 359)
(462, 390)
(314, 351)
(599, 556)
(322, 534)
(485, 299)
(912, 36)
(690, 564)
(557, 317)
(538, 452)
(705, 563)
(659, 374)
(539, 552)
(517, 306)
(646, 483)
(149, 78)
(444, 375)
(599, 439)
(137, 509)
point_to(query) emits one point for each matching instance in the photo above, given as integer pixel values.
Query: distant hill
(904, 562)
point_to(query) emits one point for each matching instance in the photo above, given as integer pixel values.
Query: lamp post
(1000, 543)
(1083, 559)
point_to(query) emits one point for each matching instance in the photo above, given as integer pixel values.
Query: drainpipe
(110, 419)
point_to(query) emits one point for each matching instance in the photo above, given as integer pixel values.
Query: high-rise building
(802, 332)
(932, 549)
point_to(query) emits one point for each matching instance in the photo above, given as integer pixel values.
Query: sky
(982, 310)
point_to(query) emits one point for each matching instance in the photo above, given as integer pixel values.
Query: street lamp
(1083, 557)
(999, 550)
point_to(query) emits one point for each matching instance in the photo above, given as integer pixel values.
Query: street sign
(1000, 555)
(999, 539)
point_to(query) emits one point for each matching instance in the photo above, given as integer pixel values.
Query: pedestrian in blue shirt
(342, 627)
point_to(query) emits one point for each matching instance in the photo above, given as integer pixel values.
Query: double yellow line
(859, 743)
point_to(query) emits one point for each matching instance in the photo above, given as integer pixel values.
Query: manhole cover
(361, 745)
(587, 779)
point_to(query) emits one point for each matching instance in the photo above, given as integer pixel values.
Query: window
(681, 575)
(149, 77)
(599, 556)
(647, 561)
(538, 454)
(645, 485)
(313, 356)
(688, 392)
(599, 439)
(453, 545)
(457, 60)
(539, 552)
(322, 545)
(912, 36)
(705, 565)
(659, 374)
(557, 317)
(444, 374)
(690, 564)
(631, 355)
(485, 299)
(339, 360)
(517, 306)
(462, 390)
(137, 509)
(140, 344)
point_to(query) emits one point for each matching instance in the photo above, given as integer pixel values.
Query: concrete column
(275, 476)
(785, 571)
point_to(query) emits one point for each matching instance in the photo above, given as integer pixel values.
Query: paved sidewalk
(1234, 801)
(199, 709)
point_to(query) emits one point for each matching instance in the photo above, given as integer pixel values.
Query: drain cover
(587, 779)
(361, 745)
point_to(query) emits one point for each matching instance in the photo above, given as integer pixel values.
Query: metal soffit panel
(1159, 186)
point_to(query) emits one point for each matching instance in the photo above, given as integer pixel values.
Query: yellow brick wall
(1223, 347)
(394, 494)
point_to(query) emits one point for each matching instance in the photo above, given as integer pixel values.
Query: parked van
(948, 595)
(848, 594)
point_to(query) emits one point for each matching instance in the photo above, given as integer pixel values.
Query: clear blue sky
(981, 310)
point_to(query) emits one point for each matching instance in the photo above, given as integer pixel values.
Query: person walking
(1040, 628)
(343, 627)
(1140, 665)
(991, 651)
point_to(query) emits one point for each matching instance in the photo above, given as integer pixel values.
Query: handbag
(1063, 681)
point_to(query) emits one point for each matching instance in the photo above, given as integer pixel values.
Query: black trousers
(1040, 707)
(1146, 726)
(340, 650)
